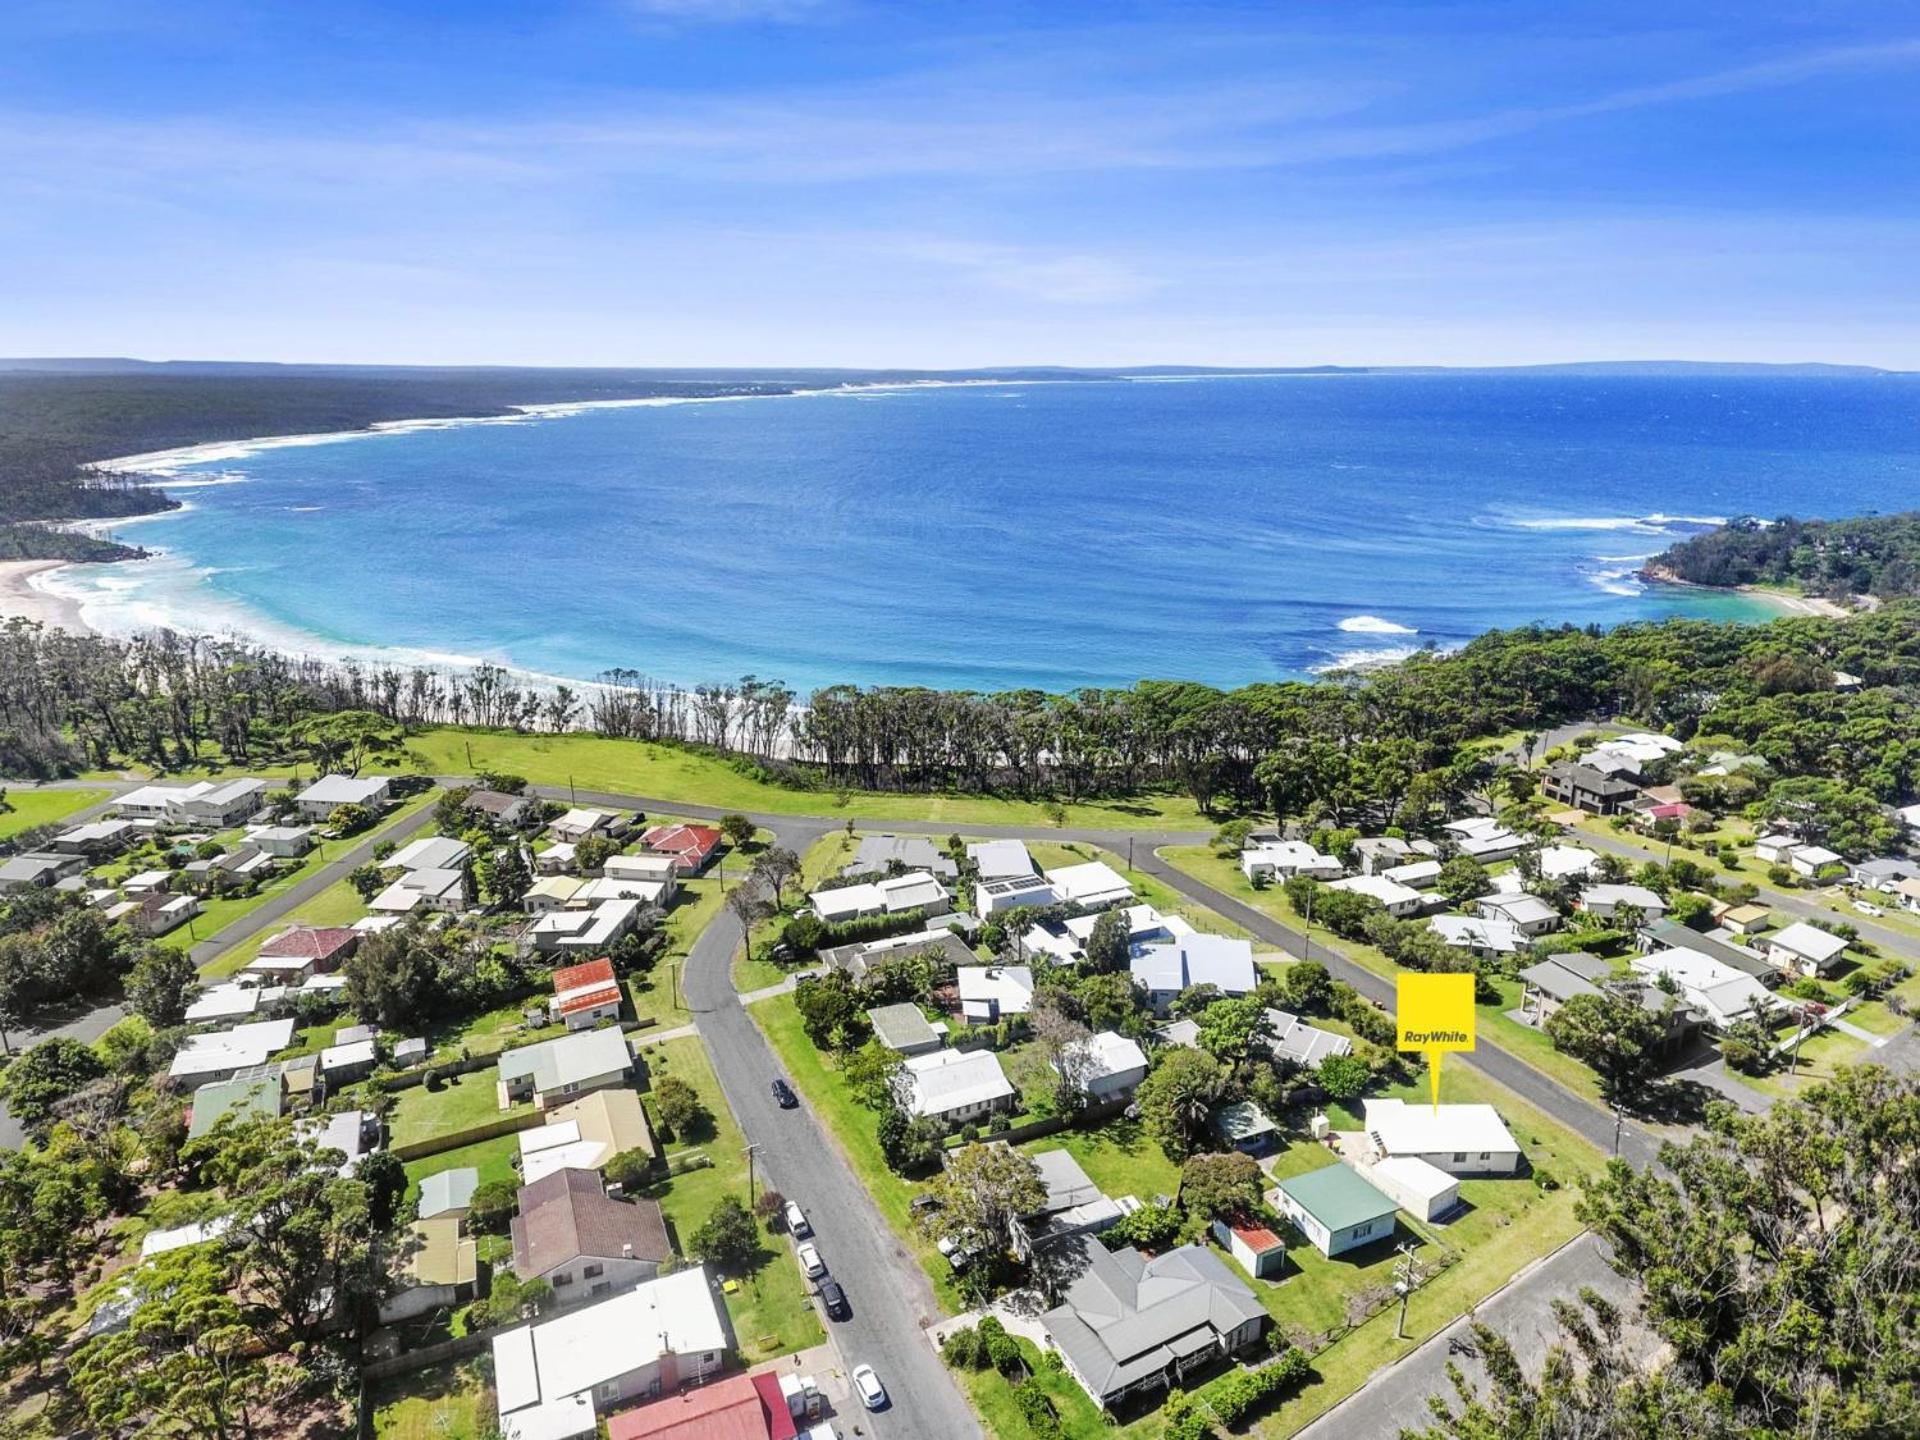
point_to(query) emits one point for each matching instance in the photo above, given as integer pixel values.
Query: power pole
(750, 1152)
(1405, 1286)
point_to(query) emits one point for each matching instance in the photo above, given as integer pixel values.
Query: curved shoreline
(1787, 602)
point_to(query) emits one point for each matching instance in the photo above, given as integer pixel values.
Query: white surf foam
(1374, 625)
(1373, 659)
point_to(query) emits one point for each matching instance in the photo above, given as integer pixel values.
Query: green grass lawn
(493, 1159)
(636, 767)
(1119, 1157)
(466, 1101)
(446, 1402)
(770, 1309)
(1080, 1419)
(1820, 1056)
(1510, 1224)
(811, 1071)
(487, 1034)
(27, 809)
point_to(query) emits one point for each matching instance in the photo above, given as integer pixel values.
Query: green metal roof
(251, 1099)
(1337, 1197)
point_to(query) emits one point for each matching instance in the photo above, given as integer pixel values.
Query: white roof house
(221, 1052)
(1423, 1190)
(557, 1145)
(1804, 948)
(228, 1001)
(1483, 937)
(1415, 874)
(1527, 913)
(1000, 859)
(1810, 860)
(1398, 899)
(434, 889)
(1459, 1139)
(330, 792)
(895, 895)
(622, 887)
(1717, 991)
(1163, 971)
(1565, 862)
(433, 852)
(547, 1375)
(582, 821)
(1095, 885)
(590, 929)
(1308, 1045)
(155, 802)
(989, 991)
(954, 1084)
(1114, 1065)
(1014, 891)
(1283, 859)
(1606, 901)
(1144, 925)
(1484, 838)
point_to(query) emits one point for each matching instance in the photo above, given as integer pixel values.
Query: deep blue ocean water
(1053, 535)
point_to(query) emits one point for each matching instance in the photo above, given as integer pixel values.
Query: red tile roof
(684, 842)
(739, 1407)
(592, 984)
(310, 943)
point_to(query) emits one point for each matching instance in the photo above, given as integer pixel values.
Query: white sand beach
(20, 596)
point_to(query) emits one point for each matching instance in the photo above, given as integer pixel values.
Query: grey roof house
(903, 1028)
(559, 1069)
(908, 852)
(1129, 1324)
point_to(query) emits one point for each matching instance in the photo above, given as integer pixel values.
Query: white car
(811, 1265)
(872, 1393)
(797, 1220)
(1867, 909)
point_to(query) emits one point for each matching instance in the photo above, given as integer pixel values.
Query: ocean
(993, 536)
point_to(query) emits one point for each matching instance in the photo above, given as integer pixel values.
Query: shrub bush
(1037, 1410)
(963, 1349)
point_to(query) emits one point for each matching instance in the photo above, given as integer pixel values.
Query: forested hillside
(1871, 555)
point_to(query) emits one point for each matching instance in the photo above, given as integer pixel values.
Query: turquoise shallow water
(1054, 535)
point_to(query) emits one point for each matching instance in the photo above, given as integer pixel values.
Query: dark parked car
(833, 1299)
(783, 1092)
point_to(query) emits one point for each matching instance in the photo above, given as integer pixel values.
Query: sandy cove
(19, 596)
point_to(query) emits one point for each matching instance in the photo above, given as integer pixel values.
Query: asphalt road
(889, 1299)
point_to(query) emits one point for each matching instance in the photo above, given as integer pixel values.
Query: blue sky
(706, 182)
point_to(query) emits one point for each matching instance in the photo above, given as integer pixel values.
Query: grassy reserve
(27, 809)
(664, 772)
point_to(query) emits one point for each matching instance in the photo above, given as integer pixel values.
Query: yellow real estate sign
(1435, 1014)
